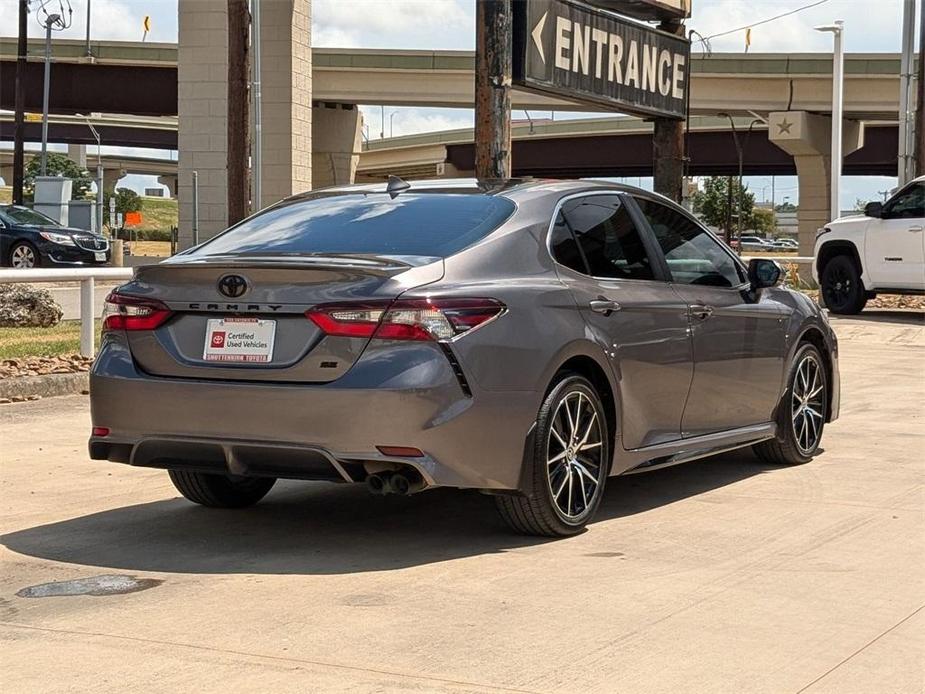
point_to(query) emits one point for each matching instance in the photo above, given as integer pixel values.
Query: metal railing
(87, 279)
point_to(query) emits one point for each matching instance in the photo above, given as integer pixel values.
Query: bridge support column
(336, 136)
(171, 183)
(111, 179)
(808, 138)
(286, 86)
(78, 154)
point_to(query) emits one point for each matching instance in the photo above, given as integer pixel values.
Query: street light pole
(837, 29)
(99, 176)
(45, 89)
(738, 146)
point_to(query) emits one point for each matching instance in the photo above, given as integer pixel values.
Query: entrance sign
(583, 54)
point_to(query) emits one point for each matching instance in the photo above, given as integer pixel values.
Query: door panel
(638, 320)
(738, 359)
(737, 337)
(895, 244)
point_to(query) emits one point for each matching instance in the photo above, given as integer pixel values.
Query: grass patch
(64, 338)
(158, 213)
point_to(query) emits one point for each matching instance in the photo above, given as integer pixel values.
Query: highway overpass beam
(336, 137)
(807, 137)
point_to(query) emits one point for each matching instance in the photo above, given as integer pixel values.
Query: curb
(50, 385)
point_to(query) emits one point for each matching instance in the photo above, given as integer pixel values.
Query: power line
(765, 21)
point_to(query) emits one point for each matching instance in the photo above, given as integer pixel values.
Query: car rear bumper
(395, 395)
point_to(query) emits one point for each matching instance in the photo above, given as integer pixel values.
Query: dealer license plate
(239, 340)
(100, 257)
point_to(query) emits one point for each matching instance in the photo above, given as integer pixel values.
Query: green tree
(58, 165)
(786, 207)
(712, 203)
(762, 221)
(127, 200)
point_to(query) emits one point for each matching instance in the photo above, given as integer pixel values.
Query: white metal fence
(87, 279)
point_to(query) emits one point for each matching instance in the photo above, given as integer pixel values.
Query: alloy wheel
(838, 286)
(574, 456)
(22, 257)
(808, 404)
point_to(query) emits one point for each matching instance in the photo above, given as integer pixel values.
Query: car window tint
(565, 248)
(693, 256)
(909, 203)
(608, 238)
(423, 224)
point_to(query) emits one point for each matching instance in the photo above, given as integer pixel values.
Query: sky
(871, 26)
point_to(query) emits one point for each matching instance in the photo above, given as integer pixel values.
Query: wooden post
(238, 121)
(493, 56)
(668, 142)
(19, 161)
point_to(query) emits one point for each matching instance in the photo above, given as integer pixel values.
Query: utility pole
(20, 105)
(728, 231)
(493, 69)
(668, 142)
(238, 121)
(906, 164)
(920, 106)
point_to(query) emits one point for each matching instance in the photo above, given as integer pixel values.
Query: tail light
(406, 319)
(123, 312)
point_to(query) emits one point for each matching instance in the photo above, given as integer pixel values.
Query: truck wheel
(841, 286)
(220, 491)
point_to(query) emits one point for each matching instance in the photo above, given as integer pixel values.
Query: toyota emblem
(232, 286)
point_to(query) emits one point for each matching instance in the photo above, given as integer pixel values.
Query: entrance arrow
(537, 35)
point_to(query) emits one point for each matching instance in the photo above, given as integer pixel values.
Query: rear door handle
(702, 312)
(605, 306)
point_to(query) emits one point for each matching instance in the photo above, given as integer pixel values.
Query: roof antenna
(395, 186)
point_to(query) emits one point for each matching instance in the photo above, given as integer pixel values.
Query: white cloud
(409, 121)
(113, 20)
(411, 24)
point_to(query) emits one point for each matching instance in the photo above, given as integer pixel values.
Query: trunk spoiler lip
(384, 263)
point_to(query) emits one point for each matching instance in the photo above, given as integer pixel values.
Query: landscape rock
(23, 306)
(42, 366)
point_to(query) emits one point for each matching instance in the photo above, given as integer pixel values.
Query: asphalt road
(724, 575)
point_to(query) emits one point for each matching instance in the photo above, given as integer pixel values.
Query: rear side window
(426, 224)
(693, 256)
(608, 243)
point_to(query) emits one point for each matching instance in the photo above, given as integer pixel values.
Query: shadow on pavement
(319, 528)
(899, 316)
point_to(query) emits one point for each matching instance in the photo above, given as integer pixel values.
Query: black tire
(539, 513)
(28, 247)
(788, 447)
(220, 491)
(841, 286)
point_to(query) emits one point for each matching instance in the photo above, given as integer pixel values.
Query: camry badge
(232, 286)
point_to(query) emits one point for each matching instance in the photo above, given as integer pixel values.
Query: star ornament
(783, 128)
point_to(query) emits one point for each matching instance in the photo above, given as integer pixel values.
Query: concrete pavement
(723, 575)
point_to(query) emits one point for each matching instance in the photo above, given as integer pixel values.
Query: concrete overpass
(610, 147)
(146, 75)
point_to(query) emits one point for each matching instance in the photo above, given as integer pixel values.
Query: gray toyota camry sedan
(528, 339)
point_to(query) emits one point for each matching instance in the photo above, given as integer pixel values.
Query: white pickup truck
(879, 252)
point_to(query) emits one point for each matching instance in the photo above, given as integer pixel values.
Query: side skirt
(685, 450)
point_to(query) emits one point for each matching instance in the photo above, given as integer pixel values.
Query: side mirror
(764, 273)
(873, 209)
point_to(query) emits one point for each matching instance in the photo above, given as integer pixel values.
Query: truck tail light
(406, 319)
(124, 312)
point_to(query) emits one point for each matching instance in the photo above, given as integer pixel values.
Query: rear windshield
(429, 224)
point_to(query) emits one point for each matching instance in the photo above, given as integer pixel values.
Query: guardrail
(87, 279)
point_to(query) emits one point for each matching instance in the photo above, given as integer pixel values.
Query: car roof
(519, 188)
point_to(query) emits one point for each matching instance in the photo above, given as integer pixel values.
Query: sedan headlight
(60, 239)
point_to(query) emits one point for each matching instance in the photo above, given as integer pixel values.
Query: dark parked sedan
(30, 239)
(528, 340)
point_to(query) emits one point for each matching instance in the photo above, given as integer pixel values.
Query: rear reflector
(100, 431)
(406, 319)
(124, 312)
(401, 451)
